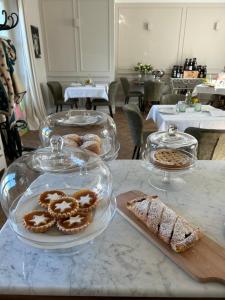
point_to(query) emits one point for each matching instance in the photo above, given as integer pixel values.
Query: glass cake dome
(51, 171)
(168, 154)
(83, 123)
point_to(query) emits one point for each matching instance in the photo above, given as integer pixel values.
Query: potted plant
(143, 69)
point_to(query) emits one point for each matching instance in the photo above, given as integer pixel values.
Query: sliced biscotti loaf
(167, 223)
(140, 206)
(184, 235)
(155, 214)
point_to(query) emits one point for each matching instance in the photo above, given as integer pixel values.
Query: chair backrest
(171, 98)
(135, 122)
(125, 85)
(152, 91)
(113, 86)
(207, 140)
(56, 90)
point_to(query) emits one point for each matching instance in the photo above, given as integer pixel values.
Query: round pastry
(91, 146)
(69, 142)
(87, 199)
(171, 159)
(76, 223)
(48, 196)
(73, 137)
(91, 137)
(38, 221)
(63, 208)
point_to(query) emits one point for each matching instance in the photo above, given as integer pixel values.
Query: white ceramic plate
(80, 120)
(167, 110)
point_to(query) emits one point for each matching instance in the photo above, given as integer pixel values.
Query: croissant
(164, 222)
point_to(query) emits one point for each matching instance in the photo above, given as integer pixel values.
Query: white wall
(176, 31)
(32, 15)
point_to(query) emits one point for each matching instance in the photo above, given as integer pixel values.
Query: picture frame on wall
(36, 41)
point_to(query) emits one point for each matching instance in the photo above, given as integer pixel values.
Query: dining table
(88, 91)
(121, 261)
(210, 89)
(165, 115)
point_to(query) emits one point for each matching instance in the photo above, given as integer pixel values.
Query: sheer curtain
(33, 102)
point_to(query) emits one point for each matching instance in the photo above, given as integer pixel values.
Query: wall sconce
(217, 25)
(147, 26)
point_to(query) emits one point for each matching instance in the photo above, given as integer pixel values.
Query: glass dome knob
(56, 143)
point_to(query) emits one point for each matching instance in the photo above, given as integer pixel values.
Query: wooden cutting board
(205, 261)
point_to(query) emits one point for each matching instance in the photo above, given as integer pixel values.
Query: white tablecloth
(87, 91)
(190, 118)
(205, 89)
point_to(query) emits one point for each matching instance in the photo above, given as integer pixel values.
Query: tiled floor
(31, 139)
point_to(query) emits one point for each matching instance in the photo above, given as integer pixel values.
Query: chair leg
(57, 108)
(61, 107)
(126, 99)
(140, 103)
(94, 107)
(110, 110)
(134, 152)
(138, 152)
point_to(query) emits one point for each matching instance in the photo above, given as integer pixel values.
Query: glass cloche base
(72, 244)
(164, 180)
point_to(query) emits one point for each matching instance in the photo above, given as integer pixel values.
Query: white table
(205, 89)
(190, 118)
(121, 261)
(87, 91)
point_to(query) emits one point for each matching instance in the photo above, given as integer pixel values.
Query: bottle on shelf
(190, 64)
(178, 72)
(186, 65)
(181, 72)
(174, 72)
(204, 71)
(194, 64)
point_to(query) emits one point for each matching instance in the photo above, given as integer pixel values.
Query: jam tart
(87, 199)
(63, 208)
(48, 196)
(75, 223)
(171, 159)
(38, 221)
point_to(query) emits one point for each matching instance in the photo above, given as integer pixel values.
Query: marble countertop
(122, 262)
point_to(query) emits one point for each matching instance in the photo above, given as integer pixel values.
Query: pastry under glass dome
(83, 122)
(168, 154)
(56, 168)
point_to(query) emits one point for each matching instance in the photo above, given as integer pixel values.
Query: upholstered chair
(113, 86)
(136, 126)
(57, 93)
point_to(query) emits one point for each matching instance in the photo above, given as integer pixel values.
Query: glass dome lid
(172, 138)
(170, 150)
(58, 173)
(57, 158)
(91, 130)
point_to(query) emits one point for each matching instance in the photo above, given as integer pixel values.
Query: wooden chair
(136, 125)
(111, 95)
(57, 93)
(130, 93)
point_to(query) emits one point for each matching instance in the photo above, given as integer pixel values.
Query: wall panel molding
(91, 44)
